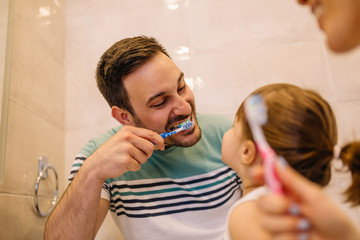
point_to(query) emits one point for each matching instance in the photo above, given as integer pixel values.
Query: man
(180, 191)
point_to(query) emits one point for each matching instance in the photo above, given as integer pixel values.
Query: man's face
(340, 21)
(161, 100)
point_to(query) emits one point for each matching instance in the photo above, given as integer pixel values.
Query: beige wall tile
(28, 137)
(37, 79)
(345, 73)
(46, 20)
(36, 118)
(215, 25)
(255, 67)
(18, 219)
(348, 118)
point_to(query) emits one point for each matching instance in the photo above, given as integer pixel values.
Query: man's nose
(181, 106)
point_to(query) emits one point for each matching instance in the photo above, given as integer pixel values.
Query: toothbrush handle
(271, 179)
(167, 134)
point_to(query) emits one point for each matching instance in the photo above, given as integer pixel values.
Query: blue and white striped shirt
(178, 193)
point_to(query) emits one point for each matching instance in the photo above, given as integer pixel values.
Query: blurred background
(226, 49)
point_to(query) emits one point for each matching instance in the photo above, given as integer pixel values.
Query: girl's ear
(248, 152)
(122, 116)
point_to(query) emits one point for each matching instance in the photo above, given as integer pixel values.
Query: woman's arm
(283, 215)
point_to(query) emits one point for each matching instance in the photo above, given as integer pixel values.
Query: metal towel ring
(44, 166)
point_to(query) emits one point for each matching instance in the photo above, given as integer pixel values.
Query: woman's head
(340, 21)
(301, 127)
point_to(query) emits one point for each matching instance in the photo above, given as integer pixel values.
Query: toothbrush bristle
(255, 109)
(182, 127)
(186, 125)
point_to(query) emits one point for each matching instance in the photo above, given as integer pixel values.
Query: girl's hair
(350, 155)
(301, 127)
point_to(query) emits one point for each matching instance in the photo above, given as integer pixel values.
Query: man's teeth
(177, 126)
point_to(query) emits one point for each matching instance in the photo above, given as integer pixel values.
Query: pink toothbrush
(256, 115)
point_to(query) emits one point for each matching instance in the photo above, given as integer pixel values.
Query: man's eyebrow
(180, 77)
(163, 93)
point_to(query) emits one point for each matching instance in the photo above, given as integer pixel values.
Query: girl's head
(340, 21)
(301, 127)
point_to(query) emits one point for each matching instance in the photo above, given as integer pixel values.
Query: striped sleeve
(78, 162)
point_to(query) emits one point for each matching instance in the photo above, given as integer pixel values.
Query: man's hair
(301, 127)
(120, 60)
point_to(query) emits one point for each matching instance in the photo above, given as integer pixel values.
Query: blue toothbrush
(182, 127)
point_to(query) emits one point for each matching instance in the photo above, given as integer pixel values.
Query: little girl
(301, 128)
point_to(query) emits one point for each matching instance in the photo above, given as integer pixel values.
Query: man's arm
(80, 212)
(103, 209)
(78, 215)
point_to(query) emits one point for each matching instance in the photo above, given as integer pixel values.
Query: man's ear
(248, 152)
(122, 116)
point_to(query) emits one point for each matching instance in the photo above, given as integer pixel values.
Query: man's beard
(174, 139)
(177, 140)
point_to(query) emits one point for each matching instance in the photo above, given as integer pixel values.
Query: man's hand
(125, 151)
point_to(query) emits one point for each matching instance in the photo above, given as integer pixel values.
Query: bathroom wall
(226, 48)
(36, 116)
